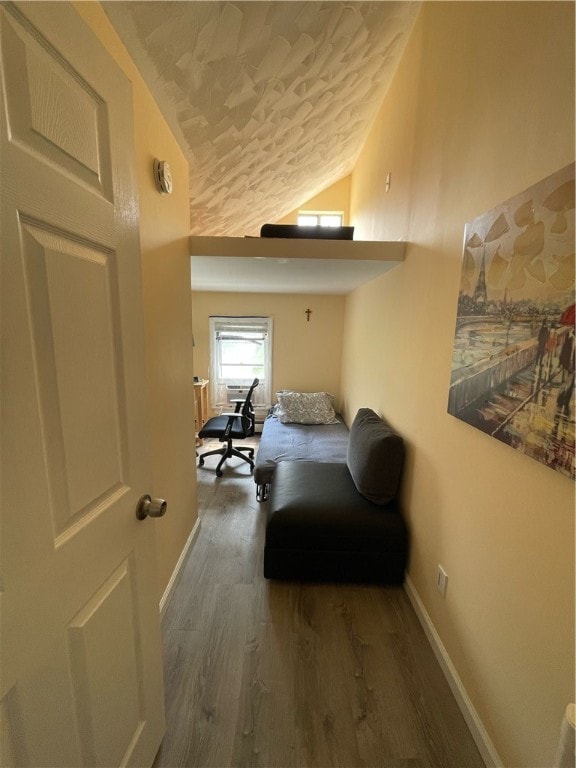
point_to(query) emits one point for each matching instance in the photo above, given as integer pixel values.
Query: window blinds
(240, 350)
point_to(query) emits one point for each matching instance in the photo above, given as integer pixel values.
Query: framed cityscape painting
(513, 356)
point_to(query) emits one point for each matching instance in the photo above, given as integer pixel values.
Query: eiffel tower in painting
(480, 296)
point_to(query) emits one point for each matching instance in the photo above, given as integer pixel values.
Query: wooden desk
(201, 401)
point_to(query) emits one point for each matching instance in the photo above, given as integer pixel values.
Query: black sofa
(341, 522)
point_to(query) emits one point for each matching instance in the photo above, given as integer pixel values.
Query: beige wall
(481, 108)
(333, 198)
(164, 230)
(306, 355)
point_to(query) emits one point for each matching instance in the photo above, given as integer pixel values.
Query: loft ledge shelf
(297, 248)
(288, 265)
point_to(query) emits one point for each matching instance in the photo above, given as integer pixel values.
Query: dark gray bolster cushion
(375, 457)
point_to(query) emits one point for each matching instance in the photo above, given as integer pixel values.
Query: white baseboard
(477, 729)
(176, 572)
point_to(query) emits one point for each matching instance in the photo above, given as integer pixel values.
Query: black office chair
(232, 426)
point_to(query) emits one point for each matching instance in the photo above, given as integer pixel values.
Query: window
(240, 351)
(319, 219)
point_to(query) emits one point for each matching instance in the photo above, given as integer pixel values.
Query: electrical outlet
(442, 581)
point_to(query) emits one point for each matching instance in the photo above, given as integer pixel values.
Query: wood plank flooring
(289, 675)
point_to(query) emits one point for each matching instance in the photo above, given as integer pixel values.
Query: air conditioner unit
(235, 392)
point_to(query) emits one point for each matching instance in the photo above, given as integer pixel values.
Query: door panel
(53, 111)
(113, 605)
(84, 447)
(81, 678)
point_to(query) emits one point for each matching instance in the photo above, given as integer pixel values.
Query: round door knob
(149, 507)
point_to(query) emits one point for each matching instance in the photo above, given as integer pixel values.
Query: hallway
(294, 675)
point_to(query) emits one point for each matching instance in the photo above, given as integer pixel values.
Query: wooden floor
(286, 675)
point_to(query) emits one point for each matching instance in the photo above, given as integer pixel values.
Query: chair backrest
(246, 412)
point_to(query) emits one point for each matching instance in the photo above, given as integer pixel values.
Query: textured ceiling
(270, 101)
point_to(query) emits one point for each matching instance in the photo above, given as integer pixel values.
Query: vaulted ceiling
(270, 101)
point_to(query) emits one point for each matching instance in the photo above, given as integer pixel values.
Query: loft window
(319, 219)
(240, 351)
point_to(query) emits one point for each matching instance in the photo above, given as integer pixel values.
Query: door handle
(149, 507)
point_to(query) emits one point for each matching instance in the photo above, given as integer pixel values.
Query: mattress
(298, 442)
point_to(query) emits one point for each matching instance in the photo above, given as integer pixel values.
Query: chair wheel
(218, 473)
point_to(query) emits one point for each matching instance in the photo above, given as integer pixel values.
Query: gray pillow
(306, 408)
(375, 457)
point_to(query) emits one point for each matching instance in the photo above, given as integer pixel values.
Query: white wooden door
(81, 678)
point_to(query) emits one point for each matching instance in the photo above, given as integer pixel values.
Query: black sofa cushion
(309, 233)
(375, 457)
(320, 527)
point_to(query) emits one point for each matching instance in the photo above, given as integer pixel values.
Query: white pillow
(306, 408)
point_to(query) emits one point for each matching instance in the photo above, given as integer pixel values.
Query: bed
(326, 443)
